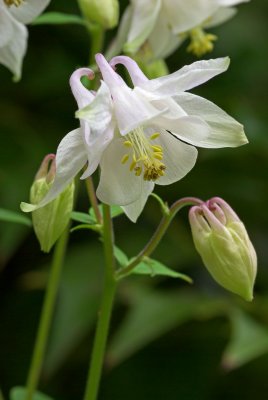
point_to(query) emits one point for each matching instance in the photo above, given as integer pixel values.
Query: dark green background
(185, 362)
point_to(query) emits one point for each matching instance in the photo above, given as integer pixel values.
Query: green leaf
(153, 268)
(152, 314)
(19, 393)
(115, 212)
(13, 216)
(83, 217)
(249, 340)
(93, 227)
(120, 256)
(58, 18)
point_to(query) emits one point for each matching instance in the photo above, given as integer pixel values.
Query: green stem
(46, 316)
(158, 235)
(97, 38)
(105, 312)
(93, 199)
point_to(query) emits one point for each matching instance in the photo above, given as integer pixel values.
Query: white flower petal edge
(118, 185)
(13, 43)
(186, 78)
(225, 131)
(70, 159)
(29, 10)
(220, 16)
(134, 209)
(184, 15)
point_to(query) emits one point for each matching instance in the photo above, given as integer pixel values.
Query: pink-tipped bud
(50, 221)
(222, 241)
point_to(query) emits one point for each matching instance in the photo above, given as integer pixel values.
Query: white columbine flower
(14, 14)
(138, 135)
(160, 26)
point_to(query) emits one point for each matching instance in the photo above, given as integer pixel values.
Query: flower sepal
(221, 239)
(50, 221)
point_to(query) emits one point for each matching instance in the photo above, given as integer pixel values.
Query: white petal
(184, 15)
(178, 157)
(134, 209)
(6, 26)
(82, 95)
(144, 17)
(226, 3)
(190, 129)
(162, 41)
(118, 185)
(12, 53)
(220, 16)
(29, 10)
(225, 131)
(187, 77)
(70, 159)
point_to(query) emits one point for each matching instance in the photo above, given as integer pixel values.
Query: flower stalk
(158, 235)
(105, 312)
(46, 316)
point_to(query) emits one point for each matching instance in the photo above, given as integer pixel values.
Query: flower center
(201, 42)
(145, 157)
(16, 3)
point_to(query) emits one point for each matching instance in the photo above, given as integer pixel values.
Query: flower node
(146, 157)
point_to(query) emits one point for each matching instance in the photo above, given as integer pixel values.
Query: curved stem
(46, 316)
(105, 312)
(159, 233)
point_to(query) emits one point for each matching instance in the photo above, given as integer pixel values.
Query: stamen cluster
(146, 157)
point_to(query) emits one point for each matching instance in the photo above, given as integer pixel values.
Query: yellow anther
(158, 156)
(138, 171)
(132, 165)
(127, 143)
(155, 135)
(124, 159)
(157, 148)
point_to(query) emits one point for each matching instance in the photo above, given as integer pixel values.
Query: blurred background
(169, 340)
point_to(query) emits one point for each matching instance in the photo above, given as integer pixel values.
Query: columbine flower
(223, 243)
(160, 26)
(138, 135)
(14, 14)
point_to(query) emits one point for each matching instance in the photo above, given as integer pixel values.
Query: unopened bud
(50, 221)
(102, 12)
(222, 241)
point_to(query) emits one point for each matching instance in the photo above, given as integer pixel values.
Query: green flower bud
(102, 12)
(222, 241)
(50, 221)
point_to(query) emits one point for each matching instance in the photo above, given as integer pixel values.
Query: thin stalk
(93, 199)
(158, 235)
(46, 316)
(105, 312)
